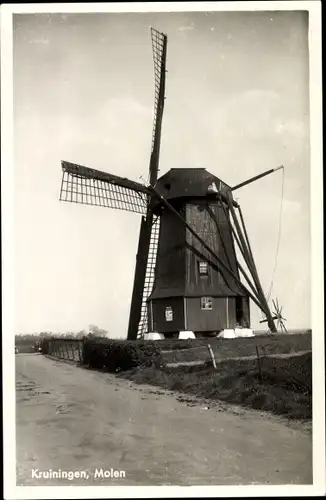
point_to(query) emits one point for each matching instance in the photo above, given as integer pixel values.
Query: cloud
(291, 127)
(250, 113)
(125, 108)
(43, 41)
(258, 113)
(188, 27)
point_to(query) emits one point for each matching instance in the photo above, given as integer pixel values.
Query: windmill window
(203, 268)
(168, 314)
(206, 303)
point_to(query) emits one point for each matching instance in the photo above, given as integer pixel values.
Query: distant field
(196, 350)
(25, 347)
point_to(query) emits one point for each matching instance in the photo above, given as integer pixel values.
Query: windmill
(277, 316)
(187, 274)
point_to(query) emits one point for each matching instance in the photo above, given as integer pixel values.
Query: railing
(63, 348)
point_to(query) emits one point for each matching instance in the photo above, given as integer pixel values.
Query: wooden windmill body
(188, 293)
(187, 274)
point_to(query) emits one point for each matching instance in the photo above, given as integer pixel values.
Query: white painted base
(244, 332)
(184, 335)
(153, 336)
(227, 334)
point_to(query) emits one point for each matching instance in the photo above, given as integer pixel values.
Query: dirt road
(77, 420)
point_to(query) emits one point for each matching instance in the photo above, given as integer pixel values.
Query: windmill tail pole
(253, 179)
(252, 268)
(244, 274)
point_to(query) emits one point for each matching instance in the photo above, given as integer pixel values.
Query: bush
(115, 355)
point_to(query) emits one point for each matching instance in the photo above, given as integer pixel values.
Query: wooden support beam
(259, 176)
(245, 232)
(237, 240)
(243, 272)
(246, 277)
(90, 173)
(231, 228)
(252, 268)
(213, 217)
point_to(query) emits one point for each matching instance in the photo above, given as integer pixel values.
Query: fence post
(80, 349)
(210, 350)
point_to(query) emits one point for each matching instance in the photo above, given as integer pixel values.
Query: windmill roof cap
(188, 182)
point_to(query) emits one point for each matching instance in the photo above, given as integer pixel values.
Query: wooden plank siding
(170, 261)
(222, 315)
(211, 225)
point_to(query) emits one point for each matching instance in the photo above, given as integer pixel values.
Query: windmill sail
(92, 187)
(159, 44)
(145, 269)
(84, 185)
(143, 326)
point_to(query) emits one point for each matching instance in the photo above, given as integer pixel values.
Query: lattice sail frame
(92, 187)
(149, 277)
(159, 44)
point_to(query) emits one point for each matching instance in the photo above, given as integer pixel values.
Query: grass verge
(285, 388)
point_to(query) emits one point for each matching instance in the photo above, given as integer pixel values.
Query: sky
(237, 104)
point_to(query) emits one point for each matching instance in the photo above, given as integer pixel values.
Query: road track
(73, 419)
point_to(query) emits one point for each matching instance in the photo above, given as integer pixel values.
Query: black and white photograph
(162, 256)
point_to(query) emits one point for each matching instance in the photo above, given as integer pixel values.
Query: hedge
(115, 355)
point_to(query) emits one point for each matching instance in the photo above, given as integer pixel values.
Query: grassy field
(25, 347)
(233, 348)
(284, 390)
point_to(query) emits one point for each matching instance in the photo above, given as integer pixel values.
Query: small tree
(97, 332)
(44, 335)
(81, 334)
